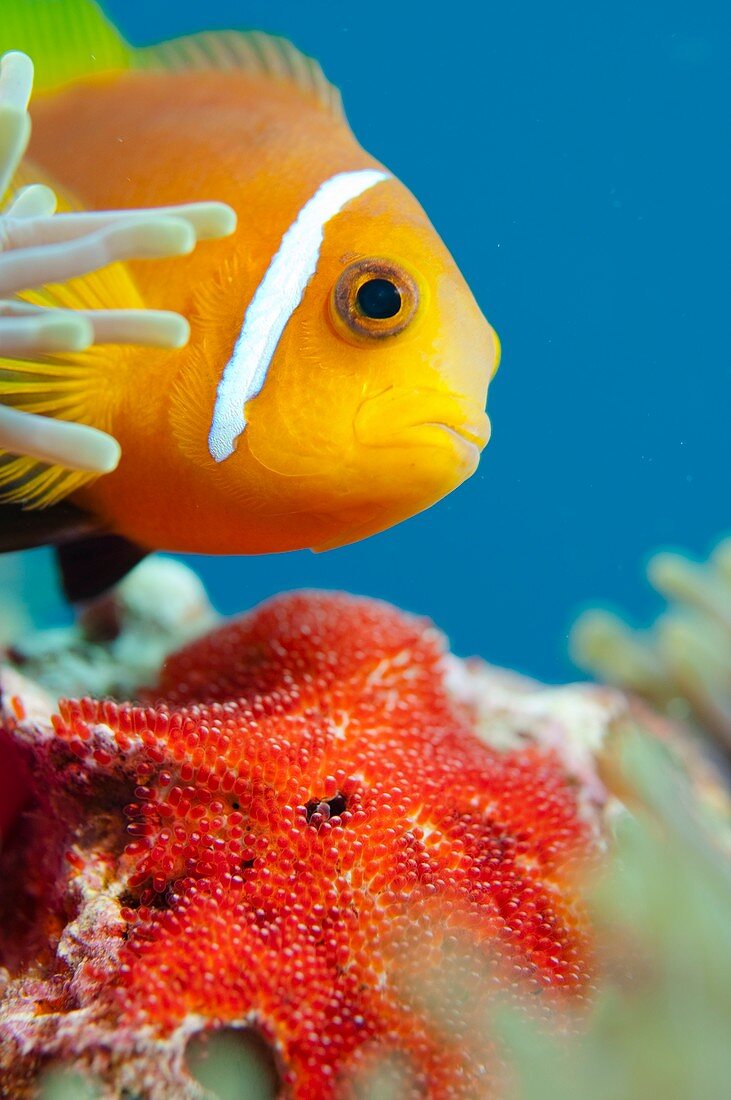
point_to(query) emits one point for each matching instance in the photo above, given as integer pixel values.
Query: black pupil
(379, 299)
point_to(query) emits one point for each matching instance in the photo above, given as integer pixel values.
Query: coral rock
(119, 642)
(305, 832)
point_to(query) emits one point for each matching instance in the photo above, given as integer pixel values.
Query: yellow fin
(66, 387)
(65, 39)
(247, 51)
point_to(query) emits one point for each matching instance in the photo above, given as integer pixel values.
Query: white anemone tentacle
(34, 201)
(74, 446)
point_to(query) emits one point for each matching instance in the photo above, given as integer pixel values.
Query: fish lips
(423, 419)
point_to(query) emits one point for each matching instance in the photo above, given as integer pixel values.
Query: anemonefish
(337, 372)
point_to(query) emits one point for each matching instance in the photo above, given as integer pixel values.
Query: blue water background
(574, 157)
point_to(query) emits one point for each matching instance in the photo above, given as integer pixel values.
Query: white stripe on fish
(275, 300)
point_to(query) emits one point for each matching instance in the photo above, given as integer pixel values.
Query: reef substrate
(318, 828)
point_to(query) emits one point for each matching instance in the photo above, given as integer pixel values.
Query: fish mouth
(474, 435)
(420, 419)
(466, 443)
(414, 461)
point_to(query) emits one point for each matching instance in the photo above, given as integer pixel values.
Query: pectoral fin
(92, 565)
(22, 529)
(90, 559)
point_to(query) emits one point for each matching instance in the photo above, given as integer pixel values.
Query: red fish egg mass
(303, 833)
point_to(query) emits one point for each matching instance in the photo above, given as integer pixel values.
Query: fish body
(306, 411)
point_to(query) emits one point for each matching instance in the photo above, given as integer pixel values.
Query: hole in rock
(326, 807)
(234, 1064)
(148, 898)
(59, 1082)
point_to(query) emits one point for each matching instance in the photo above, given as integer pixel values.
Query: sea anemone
(39, 246)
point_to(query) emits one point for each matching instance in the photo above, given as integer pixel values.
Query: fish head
(373, 407)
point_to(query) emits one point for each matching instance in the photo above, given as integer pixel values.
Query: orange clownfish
(337, 372)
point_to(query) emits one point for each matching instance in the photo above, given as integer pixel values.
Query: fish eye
(379, 299)
(375, 298)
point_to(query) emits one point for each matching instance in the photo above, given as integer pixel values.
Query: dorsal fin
(246, 51)
(67, 39)
(93, 564)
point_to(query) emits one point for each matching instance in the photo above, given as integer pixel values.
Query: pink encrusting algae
(305, 836)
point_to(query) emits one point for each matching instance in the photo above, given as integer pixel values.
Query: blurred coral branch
(682, 665)
(659, 1025)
